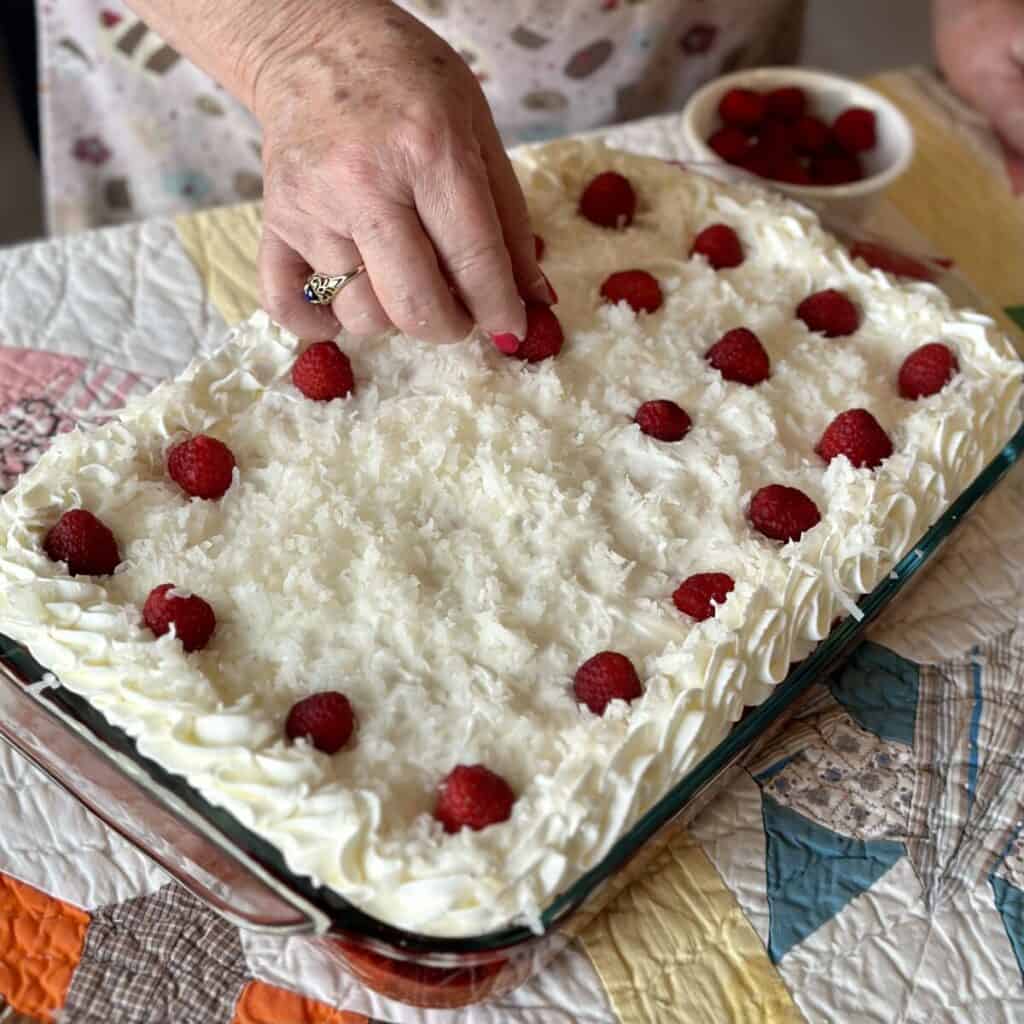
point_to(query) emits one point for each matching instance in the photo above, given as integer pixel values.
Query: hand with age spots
(378, 148)
(980, 46)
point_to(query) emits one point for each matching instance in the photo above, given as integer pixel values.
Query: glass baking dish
(244, 879)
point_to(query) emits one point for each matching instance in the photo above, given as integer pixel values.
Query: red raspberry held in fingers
(326, 719)
(472, 796)
(193, 619)
(606, 677)
(927, 370)
(719, 245)
(811, 135)
(789, 102)
(829, 312)
(857, 435)
(323, 372)
(609, 201)
(663, 420)
(783, 513)
(636, 287)
(201, 466)
(731, 144)
(84, 543)
(544, 336)
(836, 169)
(854, 129)
(538, 246)
(739, 356)
(741, 106)
(697, 595)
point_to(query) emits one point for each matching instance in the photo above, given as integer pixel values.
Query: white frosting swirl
(449, 544)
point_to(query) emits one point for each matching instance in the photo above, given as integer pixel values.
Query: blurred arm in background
(980, 46)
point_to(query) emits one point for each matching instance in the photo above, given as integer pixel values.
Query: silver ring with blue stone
(321, 289)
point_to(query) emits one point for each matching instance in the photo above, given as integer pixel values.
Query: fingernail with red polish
(507, 343)
(551, 291)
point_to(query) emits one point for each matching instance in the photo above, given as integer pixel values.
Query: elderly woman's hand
(379, 148)
(980, 46)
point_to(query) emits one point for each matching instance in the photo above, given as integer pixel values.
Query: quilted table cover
(869, 867)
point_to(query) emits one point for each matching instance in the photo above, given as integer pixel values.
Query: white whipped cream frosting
(450, 543)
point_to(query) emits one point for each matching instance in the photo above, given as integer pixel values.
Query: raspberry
(697, 595)
(193, 619)
(543, 336)
(538, 247)
(742, 107)
(663, 420)
(927, 370)
(836, 169)
(788, 103)
(881, 257)
(719, 245)
(790, 170)
(323, 372)
(201, 466)
(829, 312)
(854, 129)
(325, 719)
(783, 513)
(739, 356)
(609, 201)
(472, 796)
(606, 677)
(776, 136)
(763, 159)
(772, 155)
(857, 435)
(84, 543)
(731, 144)
(811, 135)
(640, 289)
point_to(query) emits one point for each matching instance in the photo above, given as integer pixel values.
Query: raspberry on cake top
(458, 616)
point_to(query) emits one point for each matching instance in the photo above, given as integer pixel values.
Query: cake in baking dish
(441, 622)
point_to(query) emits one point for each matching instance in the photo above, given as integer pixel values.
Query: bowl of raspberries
(819, 137)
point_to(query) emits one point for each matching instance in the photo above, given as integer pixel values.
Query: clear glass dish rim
(350, 921)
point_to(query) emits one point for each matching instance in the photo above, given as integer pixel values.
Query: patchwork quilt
(867, 867)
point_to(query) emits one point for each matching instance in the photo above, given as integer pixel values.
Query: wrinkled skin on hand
(379, 147)
(980, 46)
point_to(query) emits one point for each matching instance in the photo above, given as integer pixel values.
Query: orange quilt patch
(41, 942)
(267, 1004)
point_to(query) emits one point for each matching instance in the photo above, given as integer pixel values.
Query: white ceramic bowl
(828, 95)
